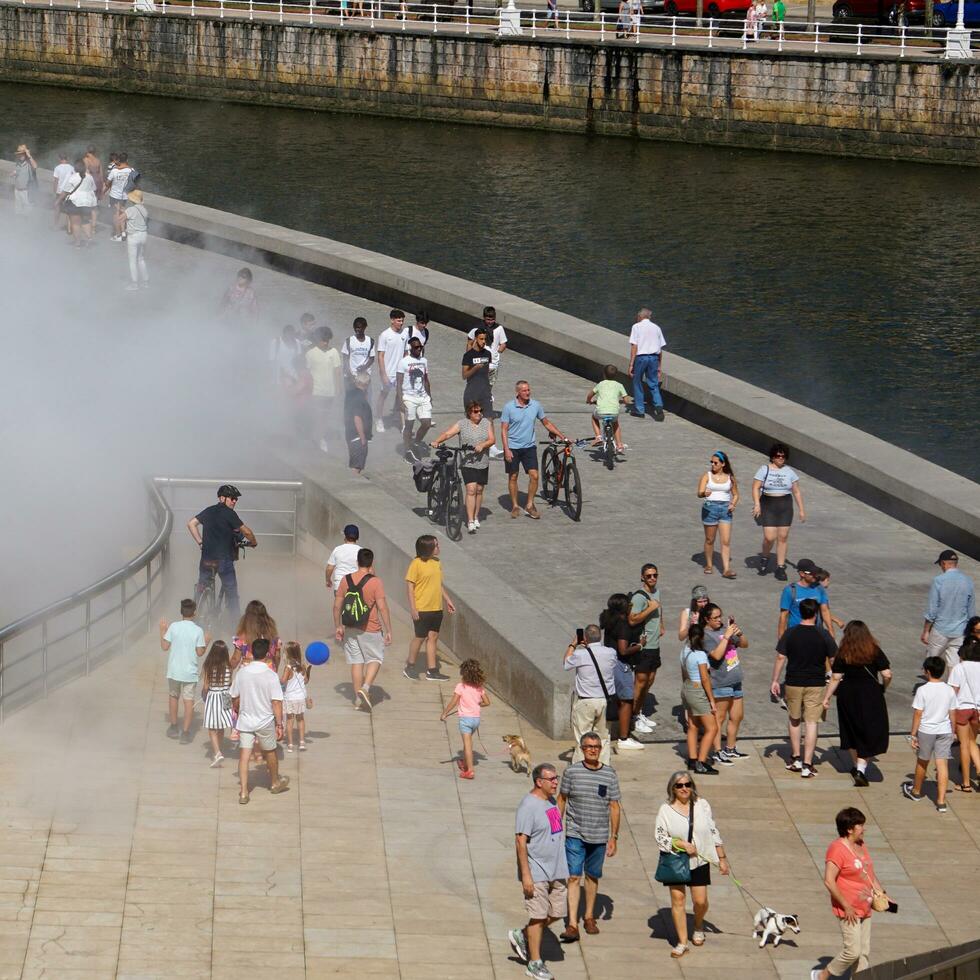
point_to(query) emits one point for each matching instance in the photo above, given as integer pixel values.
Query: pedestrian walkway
(122, 855)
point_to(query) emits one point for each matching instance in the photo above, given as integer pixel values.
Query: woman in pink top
(850, 878)
(469, 696)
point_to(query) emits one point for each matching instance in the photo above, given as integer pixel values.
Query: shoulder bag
(612, 705)
(674, 868)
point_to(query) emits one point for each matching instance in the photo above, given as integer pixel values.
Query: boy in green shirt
(779, 11)
(607, 396)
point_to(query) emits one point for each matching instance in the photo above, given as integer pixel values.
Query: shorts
(700, 877)
(357, 453)
(119, 203)
(965, 715)
(623, 676)
(805, 703)
(776, 511)
(735, 691)
(417, 407)
(550, 900)
(695, 699)
(362, 647)
(715, 512)
(428, 622)
(297, 707)
(646, 662)
(185, 690)
(583, 856)
(70, 207)
(935, 746)
(467, 726)
(477, 476)
(526, 457)
(266, 738)
(603, 418)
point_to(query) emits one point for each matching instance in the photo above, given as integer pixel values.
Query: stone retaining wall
(913, 109)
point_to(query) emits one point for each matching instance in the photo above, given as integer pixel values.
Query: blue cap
(352, 531)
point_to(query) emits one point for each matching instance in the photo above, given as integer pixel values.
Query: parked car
(881, 11)
(712, 8)
(945, 14)
(612, 6)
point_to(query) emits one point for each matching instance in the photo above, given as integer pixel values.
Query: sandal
(243, 799)
(709, 571)
(729, 574)
(678, 951)
(964, 788)
(697, 938)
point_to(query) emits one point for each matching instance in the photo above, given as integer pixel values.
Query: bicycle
(607, 449)
(445, 502)
(560, 472)
(210, 601)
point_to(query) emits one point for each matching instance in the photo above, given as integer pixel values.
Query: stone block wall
(913, 109)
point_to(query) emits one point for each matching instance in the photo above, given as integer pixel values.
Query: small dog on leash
(770, 924)
(520, 758)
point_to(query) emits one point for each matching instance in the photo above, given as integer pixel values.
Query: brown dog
(520, 758)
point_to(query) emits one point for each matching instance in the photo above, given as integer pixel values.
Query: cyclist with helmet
(219, 532)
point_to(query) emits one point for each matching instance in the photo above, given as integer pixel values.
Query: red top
(855, 878)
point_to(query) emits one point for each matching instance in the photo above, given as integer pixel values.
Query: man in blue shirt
(793, 595)
(952, 601)
(517, 434)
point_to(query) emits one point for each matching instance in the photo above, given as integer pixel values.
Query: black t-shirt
(620, 630)
(219, 524)
(478, 383)
(806, 650)
(356, 403)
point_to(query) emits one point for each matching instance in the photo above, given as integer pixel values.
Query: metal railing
(658, 30)
(41, 651)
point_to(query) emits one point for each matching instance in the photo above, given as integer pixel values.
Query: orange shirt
(854, 881)
(372, 592)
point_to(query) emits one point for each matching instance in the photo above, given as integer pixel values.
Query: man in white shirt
(646, 364)
(323, 362)
(256, 696)
(497, 343)
(343, 558)
(60, 173)
(595, 682)
(414, 396)
(358, 352)
(391, 350)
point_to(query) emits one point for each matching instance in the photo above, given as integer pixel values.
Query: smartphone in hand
(580, 636)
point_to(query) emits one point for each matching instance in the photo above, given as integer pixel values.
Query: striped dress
(217, 707)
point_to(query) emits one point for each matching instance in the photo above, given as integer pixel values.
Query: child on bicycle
(469, 697)
(295, 677)
(607, 396)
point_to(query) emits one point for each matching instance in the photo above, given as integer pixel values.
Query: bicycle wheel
(573, 491)
(204, 597)
(609, 451)
(549, 475)
(454, 510)
(434, 502)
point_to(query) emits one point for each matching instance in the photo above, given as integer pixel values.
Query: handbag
(674, 868)
(612, 706)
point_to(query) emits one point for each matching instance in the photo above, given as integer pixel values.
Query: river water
(852, 286)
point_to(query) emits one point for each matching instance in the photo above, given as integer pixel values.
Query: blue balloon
(317, 653)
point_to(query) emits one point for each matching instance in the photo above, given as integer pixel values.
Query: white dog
(770, 924)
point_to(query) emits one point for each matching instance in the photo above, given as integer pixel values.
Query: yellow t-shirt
(426, 576)
(323, 365)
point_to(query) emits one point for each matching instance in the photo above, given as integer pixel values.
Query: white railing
(659, 30)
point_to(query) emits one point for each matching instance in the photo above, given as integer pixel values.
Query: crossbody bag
(674, 867)
(612, 706)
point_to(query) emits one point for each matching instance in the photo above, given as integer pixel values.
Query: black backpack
(355, 611)
(132, 182)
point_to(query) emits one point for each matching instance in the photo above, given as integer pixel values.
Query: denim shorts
(467, 726)
(584, 856)
(715, 512)
(727, 692)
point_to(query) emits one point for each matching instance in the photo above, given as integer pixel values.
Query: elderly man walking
(952, 601)
(646, 363)
(595, 683)
(541, 867)
(589, 800)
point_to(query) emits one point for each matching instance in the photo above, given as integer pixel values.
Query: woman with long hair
(725, 670)
(256, 622)
(774, 489)
(861, 710)
(964, 679)
(618, 634)
(216, 675)
(699, 700)
(690, 614)
(719, 489)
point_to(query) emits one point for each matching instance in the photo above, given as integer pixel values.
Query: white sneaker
(630, 743)
(216, 762)
(471, 527)
(380, 426)
(323, 446)
(476, 524)
(132, 287)
(644, 725)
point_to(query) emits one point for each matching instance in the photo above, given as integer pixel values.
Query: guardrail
(658, 30)
(40, 651)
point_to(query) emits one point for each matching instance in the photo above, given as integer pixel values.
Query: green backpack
(355, 611)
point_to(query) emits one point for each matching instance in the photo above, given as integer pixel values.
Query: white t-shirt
(777, 481)
(258, 686)
(414, 371)
(935, 700)
(283, 357)
(648, 337)
(69, 181)
(82, 191)
(966, 676)
(62, 171)
(344, 560)
(358, 351)
(498, 339)
(323, 366)
(392, 345)
(117, 179)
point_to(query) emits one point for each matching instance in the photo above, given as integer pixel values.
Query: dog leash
(735, 881)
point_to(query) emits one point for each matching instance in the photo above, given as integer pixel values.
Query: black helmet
(227, 490)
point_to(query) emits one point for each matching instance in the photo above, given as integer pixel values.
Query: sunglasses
(682, 785)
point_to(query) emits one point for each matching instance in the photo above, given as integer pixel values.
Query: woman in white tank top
(719, 490)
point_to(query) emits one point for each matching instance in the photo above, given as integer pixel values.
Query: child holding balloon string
(296, 700)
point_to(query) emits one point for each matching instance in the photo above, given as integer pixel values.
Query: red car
(712, 8)
(881, 11)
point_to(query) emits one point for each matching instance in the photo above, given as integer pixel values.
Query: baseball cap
(352, 531)
(948, 555)
(808, 566)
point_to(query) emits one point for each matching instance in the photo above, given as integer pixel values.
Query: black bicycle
(446, 501)
(560, 472)
(607, 447)
(212, 602)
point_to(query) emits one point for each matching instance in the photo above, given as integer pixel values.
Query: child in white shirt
(933, 715)
(296, 699)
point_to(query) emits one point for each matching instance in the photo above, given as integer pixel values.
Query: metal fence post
(435, 19)
(816, 38)
(534, 24)
(859, 39)
(221, 8)
(280, 11)
(250, 9)
(673, 32)
(602, 26)
(711, 31)
(311, 12)
(1, 681)
(901, 50)
(192, 8)
(467, 19)
(568, 26)
(782, 27)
